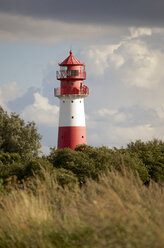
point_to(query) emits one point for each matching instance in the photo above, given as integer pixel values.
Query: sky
(122, 45)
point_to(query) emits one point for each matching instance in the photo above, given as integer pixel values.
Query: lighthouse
(71, 93)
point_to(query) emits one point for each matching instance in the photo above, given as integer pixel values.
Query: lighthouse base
(71, 137)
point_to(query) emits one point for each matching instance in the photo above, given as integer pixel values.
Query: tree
(18, 137)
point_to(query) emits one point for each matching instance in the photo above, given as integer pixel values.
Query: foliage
(87, 161)
(123, 158)
(78, 162)
(18, 137)
(116, 211)
(20, 170)
(151, 153)
(106, 158)
(9, 158)
(2, 188)
(65, 178)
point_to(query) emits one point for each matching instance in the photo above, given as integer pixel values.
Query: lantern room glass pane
(63, 68)
(72, 73)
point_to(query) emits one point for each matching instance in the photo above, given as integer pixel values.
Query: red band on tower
(71, 137)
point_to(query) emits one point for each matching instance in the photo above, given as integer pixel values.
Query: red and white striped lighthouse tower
(72, 91)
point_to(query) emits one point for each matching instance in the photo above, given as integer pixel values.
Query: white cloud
(100, 58)
(138, 32)
(9, 92)
(144, 132)
(160, 112)
(106, 112)
(143, 66)
(137, 80)
(113, 114)
(112, 135)
(116, 60)
(21, 28)
(41, 111)
(121, 117)
(120, 126)
(132, 61)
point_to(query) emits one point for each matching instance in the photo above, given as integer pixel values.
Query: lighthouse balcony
(69, 74)
(71, 91)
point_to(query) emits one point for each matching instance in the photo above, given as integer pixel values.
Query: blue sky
(122, 47)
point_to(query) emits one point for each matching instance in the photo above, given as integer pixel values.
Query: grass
(116, 212)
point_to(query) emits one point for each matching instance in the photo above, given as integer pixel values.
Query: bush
(65, 178)
(90, 162)
(151, 153)
(74, 161)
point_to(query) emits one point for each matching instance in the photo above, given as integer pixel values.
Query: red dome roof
(71, 60)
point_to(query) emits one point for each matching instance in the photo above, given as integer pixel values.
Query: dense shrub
(121, 158)
(65, 178)
(151, 153)
(74, 161)
(20, 170)
(87, 161)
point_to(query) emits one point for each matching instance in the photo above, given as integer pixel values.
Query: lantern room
(71, 75)
(71, 68)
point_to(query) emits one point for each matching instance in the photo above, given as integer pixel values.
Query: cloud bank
(127, 12)
(24, 28)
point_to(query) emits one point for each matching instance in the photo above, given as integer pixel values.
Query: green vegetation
(18, 137)
(90, 197)
(90, 162)
(151, 154)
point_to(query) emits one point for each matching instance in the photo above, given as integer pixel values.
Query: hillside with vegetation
(90, 197)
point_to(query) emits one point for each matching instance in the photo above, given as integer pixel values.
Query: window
(63, 68)
(72, 73)
(64, 101)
